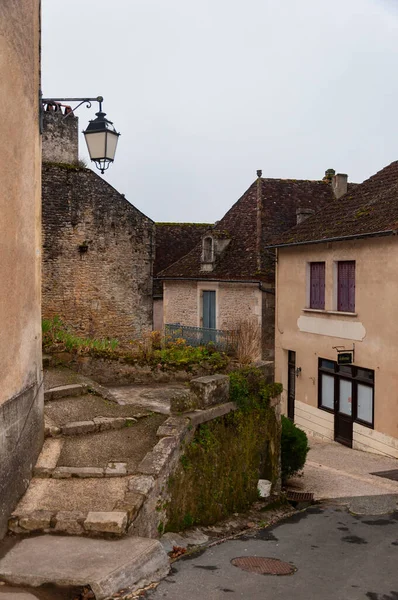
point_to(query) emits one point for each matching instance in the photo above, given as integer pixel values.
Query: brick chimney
(60, 141)
(302, 214)
(339, 184)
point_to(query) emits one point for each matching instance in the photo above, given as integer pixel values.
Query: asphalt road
(338, 556)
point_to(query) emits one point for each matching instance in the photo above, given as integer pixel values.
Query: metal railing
(199, 336)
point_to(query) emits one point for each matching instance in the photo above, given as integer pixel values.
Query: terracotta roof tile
(366, 209)
(279, 199)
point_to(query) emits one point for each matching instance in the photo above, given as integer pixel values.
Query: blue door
(209, 315)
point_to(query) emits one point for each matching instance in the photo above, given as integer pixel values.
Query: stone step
(93, 507)
(65, 391)
(107, 566)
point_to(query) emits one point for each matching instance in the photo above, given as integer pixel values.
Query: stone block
(42, 472)
(202, 416)
(173, 427)
(141, 484)
(116, 469)
(36, 520)
(79, 427)
(210, 390)
(64, 391)
(131, 504)
(155, 461)
(82, 472)
(70, 522)
(50, 454)
(13, 525)
(182, 402)
(106, 522)
(106, 565)
(107, 423)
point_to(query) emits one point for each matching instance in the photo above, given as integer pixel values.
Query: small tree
(294, 449)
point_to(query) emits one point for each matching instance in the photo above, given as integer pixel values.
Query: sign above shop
(345, 358)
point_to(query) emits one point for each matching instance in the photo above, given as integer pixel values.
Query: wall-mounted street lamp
(101, 136)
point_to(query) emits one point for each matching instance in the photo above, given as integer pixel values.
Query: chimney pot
(259, 173)
(339, 185)
(302, 214)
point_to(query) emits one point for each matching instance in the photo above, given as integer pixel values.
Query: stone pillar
(60, 137)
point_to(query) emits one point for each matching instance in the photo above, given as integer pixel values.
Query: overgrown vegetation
(245, 339)
(220, 468)
(152, 349)
(294, 449)
(55, 333)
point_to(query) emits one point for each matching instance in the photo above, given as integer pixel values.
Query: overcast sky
(206, 92)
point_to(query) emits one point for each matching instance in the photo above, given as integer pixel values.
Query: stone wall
(98, 252)
(21, 397)
(60, 137)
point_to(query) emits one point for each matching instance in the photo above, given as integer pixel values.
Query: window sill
(330, 312)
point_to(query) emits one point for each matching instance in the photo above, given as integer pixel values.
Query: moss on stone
(219, 470)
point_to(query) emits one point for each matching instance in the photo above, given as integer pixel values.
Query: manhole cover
(263, 566)
(388, 474)
(299, 496)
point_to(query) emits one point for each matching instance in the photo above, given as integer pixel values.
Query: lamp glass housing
(101, 139)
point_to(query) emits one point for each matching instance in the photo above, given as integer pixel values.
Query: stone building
(228, 278)
(173, 241)
(21, 394)
(98, 249)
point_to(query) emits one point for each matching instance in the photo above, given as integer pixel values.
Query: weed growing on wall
(219, 470)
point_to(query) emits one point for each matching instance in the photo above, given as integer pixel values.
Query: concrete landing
(107, 566)
(128, 445)
(155, 398)
(73, 494)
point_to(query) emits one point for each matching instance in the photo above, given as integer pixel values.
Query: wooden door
(343, 421)
(291, 384)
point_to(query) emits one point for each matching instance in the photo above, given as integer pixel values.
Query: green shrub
(249, 389)
(294, 449)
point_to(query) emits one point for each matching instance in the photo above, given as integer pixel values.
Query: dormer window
(213, 245)
(208, 250)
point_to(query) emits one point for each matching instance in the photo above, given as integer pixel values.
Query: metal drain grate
(388, 474)
(263, 566)
(299, 496)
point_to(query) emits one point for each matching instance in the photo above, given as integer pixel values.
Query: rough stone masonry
(98, 253)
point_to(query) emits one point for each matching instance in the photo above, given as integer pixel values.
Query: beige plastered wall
(313, 334)
(21, 412)
(183, 303)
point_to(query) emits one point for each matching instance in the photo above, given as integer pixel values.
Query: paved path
(338, 556)
(335, 471)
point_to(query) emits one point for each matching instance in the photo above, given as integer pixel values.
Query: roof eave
(342, 238)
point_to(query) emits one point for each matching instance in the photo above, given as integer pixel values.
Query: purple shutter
(317, 285)
(346, 286)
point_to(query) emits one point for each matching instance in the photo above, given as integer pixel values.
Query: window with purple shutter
(346, 286)
(317, 285)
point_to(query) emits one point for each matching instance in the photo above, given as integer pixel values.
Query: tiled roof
(279, 200)
(174, 240)
(370, 208)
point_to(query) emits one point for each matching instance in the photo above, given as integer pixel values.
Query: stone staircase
(88, 479)
(99, 488)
